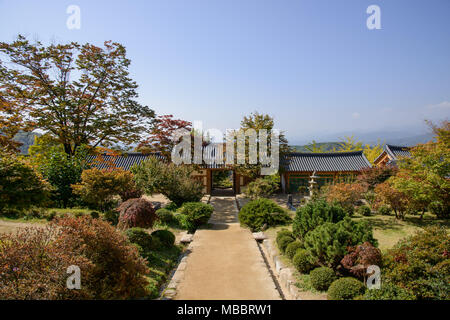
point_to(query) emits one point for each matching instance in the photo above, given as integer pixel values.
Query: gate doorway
(222, 182)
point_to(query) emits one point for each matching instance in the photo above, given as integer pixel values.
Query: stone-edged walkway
(225, 262)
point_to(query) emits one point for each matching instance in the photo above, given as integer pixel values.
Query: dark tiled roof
(333, 161)
(394, 152)
(397, 151)
(124, 161)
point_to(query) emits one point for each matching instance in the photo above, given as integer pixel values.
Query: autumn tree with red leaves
(160, 139)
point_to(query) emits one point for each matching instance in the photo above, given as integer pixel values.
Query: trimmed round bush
(165, 215)
(140, 237)
(364, 211)
(292, 248)
(301, 261)
(345, 289)
(384, 210)
(262, 212)
(166, 237)
(284, 242)
(95, 215)
(388, 291)
(194, 214)
(136, 213)
(282, 233)
(172, 206)
(321, 278)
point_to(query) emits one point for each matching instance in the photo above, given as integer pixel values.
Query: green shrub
(20, 186)
(282, 233)
(314, 214)
(166, 237)
(194, 214)
(292, 248)
(136, 213)
(99, 187)
(364, 211)
(388, 291)
(172, 206)
(301, 261)
(165, 215)
(263, 187)
(385, 210)
(50, 215)
(284, 242)
(262, 212)
(112, 216)
(140, 237)
(440, 209)
(173, 181)
(322, 278)
(345, 289)
(327, 244)
(62, 171)
(421, 264)
(94, 214)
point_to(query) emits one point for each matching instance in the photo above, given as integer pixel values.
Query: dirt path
(225, 262)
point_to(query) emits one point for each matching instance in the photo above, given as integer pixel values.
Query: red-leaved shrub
(34, 262)
(136, 213)
(360, 257)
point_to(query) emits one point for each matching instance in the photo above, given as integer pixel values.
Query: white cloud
(443, 105)
(355, 115)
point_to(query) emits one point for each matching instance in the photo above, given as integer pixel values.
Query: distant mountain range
(27, 139)
(330, 146)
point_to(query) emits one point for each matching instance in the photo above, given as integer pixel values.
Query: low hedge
(345, 289)
(322, 278)
(166, 237)
(292, 248)
(284, 242)
(301, 261)
(140, 237)
(165, 215)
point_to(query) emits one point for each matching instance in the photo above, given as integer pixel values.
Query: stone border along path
(223, 262)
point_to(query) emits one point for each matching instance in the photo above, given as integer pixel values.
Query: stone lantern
(313, 186)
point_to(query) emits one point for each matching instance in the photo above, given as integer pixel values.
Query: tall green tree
(82, 94)
(258, 121)
(424, 177)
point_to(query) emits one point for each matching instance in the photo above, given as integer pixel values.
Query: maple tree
(160, 138)
(82, 94)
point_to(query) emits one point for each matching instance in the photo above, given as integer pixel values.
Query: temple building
(295, 168)
(391, 154)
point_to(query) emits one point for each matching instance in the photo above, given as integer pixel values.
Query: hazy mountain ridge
(330, 146)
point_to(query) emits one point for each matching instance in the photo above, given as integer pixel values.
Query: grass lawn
(388, 230)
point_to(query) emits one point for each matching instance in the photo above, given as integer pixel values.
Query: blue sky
(313, 65)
